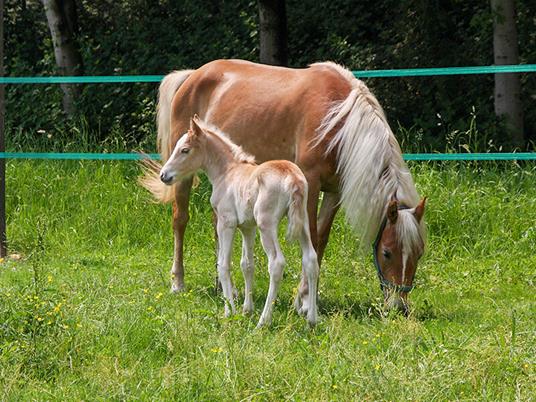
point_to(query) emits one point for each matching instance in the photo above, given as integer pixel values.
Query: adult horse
(332, 127)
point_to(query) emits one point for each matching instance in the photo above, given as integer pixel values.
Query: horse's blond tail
(297, 210)
(151, 178)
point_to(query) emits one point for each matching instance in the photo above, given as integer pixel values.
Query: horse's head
(187, 156)
(397, 250)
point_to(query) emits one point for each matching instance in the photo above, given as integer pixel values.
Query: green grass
(86, 314)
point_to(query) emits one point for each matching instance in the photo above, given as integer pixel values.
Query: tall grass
(86, 312)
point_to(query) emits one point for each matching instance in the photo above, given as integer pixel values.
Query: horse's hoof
(177, 288)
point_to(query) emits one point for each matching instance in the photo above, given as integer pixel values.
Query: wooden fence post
(3, 237)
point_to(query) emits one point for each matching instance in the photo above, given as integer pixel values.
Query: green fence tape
(412, 72)
(76, 156)
(107, 79)
(97, 79)
(134, 156)
(497, 156)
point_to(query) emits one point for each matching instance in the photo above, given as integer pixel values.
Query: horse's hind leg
(248, 266)
(180, 220)
(276, 263)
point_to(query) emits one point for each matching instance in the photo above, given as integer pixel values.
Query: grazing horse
(246, 195)
(332, 127)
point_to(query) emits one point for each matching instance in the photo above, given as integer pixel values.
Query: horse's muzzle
(394, 301)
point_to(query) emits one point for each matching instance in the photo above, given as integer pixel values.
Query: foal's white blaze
(167, 166)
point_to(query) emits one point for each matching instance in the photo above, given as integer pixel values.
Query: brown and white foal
(246, 195)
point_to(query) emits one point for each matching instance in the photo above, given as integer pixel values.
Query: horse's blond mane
(239, 154)
(369, 163)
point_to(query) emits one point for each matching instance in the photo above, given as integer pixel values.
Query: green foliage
(86, 312)
(142, 37)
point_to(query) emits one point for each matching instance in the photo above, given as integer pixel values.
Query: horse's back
(268, 110)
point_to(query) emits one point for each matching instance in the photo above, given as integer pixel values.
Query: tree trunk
(63, 24)
(273, 32)
(507, 86)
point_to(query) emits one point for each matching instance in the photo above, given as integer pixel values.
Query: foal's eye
(185, 150)
(387, 254)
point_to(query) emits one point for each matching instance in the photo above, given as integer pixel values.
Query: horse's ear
(392, 211)
(195, 130)
(419, 209)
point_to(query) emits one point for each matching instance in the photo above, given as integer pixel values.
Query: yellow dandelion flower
(49, 322)
(145, 290)
(49, 278)
(158, 295)
(150, 308)
(216, 350)
(334, 386)
(377, 367)
(39, 318)
(78, 325)
(526, 365)
(365, 342)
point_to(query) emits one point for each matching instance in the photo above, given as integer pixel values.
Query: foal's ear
(392, 211)
(195, 130)
(419, 209)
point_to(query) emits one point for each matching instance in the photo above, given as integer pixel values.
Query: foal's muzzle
(166, 178)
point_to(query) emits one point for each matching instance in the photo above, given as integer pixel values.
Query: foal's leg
(180, 219)
(217, 284)
(276, 263)
(248, 266)
(311, 268)
(225, 247)
(301, 303)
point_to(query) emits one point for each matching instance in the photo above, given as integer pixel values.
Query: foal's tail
(297, 210)
(151, 178)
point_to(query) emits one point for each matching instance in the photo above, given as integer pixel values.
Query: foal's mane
(370, 164)
(239, 154)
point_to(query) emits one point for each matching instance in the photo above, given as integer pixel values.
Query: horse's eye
(185, 150)
(387, 254)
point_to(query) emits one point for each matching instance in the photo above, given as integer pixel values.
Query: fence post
(3, 238)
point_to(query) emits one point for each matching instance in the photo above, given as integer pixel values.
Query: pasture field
(86, 313)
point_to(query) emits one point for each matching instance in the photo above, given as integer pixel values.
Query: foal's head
(187, 157)
(397, 250)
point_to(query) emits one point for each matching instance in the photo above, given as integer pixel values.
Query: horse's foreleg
(328, 210)
(276, 263)
(248, 266)
(180, 220)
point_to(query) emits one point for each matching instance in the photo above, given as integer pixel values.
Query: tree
(63, 24)
(507, 86)
(273, 32)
